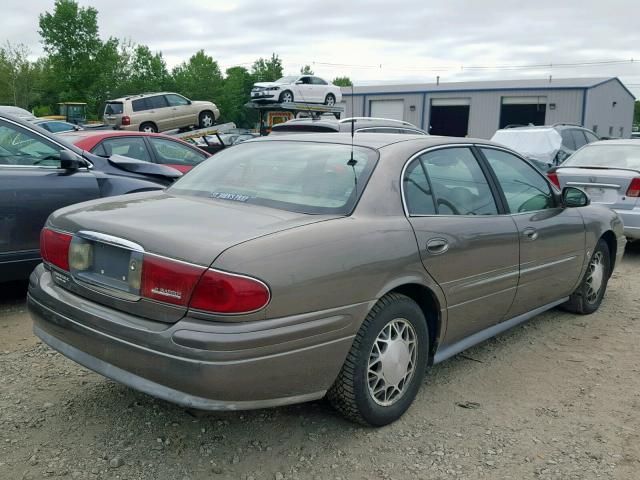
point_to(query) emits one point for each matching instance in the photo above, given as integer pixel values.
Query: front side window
(132, 147)
(21, 147)
(524, 187)
(304, 177)
(176, 100)
(174, 153)
(306, 80)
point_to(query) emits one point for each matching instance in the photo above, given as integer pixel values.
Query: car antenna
(352, 162)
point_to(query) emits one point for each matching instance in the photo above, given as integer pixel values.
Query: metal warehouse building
(478, 109)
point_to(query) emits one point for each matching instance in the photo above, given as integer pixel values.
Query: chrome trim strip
(586, 184)
(110, 239)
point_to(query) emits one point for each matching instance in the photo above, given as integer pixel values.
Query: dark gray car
(40, 172)
(294, 267)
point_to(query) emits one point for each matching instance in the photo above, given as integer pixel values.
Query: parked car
(609, 171)
(635, 135)
(296, 267)
(360, 125)
(40, 172)
(17, 112)
(297, 88)
(158, 112)
(545, 146)
(148, 147)
(57, 126)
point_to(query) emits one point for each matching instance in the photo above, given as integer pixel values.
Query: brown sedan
(290, 268)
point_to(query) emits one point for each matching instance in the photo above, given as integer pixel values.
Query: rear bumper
(631, 222)
(197, 364)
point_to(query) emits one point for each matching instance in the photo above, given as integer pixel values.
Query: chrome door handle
(530, 233)
(436, 246)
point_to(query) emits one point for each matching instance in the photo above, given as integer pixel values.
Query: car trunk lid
(193, 230)
(606, 186)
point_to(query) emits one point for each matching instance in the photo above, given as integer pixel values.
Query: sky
(375, 41)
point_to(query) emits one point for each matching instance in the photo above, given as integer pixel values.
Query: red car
(149, 147)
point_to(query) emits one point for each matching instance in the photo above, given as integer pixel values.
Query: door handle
(436, 246)
(530, 233)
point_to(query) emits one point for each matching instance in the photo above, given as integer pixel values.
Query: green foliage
(306, 70)
(80, 66)
(267, 70)
(342, 82)
(636, 113)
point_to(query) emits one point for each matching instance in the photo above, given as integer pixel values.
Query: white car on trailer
(297, 88)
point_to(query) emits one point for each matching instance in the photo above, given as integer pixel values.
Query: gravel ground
(556, 398)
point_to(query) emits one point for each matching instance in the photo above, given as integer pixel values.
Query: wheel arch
(428, 301)
(148, 122)
(610, 239)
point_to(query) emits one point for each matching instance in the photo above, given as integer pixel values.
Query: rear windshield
(302, 128)
(113, 108)
(614, 156)
(304, 177)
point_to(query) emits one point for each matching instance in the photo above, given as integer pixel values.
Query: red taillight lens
(168, 281)
(634, 188)
(554, 179)
(222, 292)
(126, 120)
(54, 248)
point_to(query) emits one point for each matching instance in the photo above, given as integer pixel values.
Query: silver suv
(158, 112)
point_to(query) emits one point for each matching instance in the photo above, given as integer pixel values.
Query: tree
(342, 82)
(306, 70)
(267, 70)
(199, 77)
(636, 113)
(70, 38)
(18, 76)
(147, 71)
(235, 93)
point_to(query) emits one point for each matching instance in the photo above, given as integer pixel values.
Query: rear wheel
(386, 364)
(206, 120)
(286, 96)
(330, 100)
(588, 296)
(148, 127)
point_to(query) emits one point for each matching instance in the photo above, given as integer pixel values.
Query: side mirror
(574, 197)
(71, 161)
(299, 82)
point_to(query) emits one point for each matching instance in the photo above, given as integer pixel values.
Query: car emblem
(593, 179)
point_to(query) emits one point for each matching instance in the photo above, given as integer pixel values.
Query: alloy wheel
(595, 277)
(392, 362)
(331, 101)
(207, 121)
(286, 97)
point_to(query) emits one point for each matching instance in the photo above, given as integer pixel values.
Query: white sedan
(297, 88)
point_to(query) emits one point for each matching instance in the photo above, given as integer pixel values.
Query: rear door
(466, 245)
(552, 238)
(32, 185)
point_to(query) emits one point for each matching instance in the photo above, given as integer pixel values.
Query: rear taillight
(634, 188)
(54, 248)
(222, 292)
(168, 281)
(554, 179)
(126, 120)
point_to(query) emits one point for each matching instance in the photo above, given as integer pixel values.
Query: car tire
(588, 296)
(148, 127)
(362, 392)
(330, 100)
(286, 96)
(206, 119)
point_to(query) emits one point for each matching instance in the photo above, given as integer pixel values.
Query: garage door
(523, 111)
(393, 109)
(449, 116)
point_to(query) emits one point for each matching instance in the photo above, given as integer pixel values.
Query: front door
(465, 244)
(32, 186)
(552, 238)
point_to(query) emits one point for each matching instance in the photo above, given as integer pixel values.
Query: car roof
(617, 141)
(373, 140)
(112, 133)
(140, 95)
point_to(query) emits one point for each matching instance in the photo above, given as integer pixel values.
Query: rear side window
(567, 140)
(524, 187)
(159, 101)
(591, 137)
(318, 81)
(579, 138)
(453, 181)
(113, 108)
(133, 147)
(139, 105)
(174, 153)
